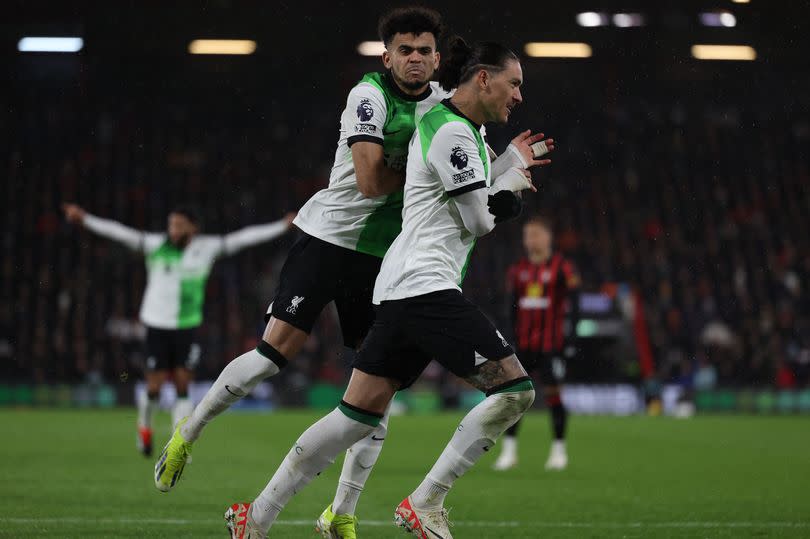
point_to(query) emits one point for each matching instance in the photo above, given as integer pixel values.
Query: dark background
(686, 179)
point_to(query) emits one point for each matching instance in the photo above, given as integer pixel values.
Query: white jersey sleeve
(364, 116)
(454, 157)
(137, 240)
(152, 242)
(252, 235)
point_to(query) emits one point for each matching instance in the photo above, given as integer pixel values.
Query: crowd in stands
(703, 208)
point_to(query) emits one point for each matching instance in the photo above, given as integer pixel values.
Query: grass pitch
(76, 474)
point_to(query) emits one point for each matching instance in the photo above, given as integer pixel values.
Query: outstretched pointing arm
(132, 238)
(253, 235)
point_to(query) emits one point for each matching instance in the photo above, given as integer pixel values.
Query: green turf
(76, 474)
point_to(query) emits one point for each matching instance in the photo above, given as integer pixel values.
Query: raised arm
(132, 238)
(253, 235)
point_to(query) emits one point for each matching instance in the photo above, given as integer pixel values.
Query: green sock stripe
(518, 386)
(357, 415)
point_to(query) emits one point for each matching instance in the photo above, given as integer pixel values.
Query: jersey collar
(397, 91)
(455, 110)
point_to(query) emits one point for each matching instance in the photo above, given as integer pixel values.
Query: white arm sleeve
(365, 114)
(252, 235)
(134, 239)
(472, 206)
(454, 157)
(508, 159)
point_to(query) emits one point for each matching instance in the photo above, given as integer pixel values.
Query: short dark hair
(190, 212)
(540, 220)
(463, 61)
(410, 20)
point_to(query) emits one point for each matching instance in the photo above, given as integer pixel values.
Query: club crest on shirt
(459, 158)
(294, 303)
(364, 110)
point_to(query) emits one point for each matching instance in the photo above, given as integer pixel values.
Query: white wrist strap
(512, 180)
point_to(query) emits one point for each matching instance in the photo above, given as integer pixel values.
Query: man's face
(412, 59)
(536, 238)
(181, 229)
(501, 92)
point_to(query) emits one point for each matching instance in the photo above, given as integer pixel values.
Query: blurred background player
(178, 263)
(541, 284)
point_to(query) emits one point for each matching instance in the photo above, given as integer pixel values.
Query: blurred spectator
(711, 229)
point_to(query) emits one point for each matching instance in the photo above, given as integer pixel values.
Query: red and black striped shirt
(539, 294)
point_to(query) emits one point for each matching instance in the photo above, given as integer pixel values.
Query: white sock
(360, 459)
(316, 449)
(558, 446)
(182, 408)
(509, 445)
(146, 407)
(475, 435)
(236, 380)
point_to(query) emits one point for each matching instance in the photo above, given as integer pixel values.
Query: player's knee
(509, 403)
(518, 394)
(247, 370)
(524, 399)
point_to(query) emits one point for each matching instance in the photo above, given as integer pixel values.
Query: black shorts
(169, 349)
(408, 333)
(317, 272)
(550, 366)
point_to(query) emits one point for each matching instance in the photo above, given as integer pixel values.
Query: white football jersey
(447, 157)
(376, 111)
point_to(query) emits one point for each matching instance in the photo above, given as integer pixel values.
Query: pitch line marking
(470, 523)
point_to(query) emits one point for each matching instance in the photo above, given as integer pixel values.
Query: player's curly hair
(462, 61)
(410, 20)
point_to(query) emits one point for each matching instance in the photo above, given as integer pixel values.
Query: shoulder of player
(371, 84)
(455, 128)
(366, 90)
(207, 241)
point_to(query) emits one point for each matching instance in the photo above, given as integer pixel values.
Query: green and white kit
(449, 157)
(376, 111)
(176, 277)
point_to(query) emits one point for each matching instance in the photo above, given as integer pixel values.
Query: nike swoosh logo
(378, 439)
(365, 467)
(228, 389)
(386, 133)
(434, 533)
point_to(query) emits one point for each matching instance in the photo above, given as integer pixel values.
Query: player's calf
(476, 434)
(236, 381)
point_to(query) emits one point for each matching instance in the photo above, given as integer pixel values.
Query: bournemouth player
(178, 263)
(453, 195)
(347, 228)
(541, 285)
